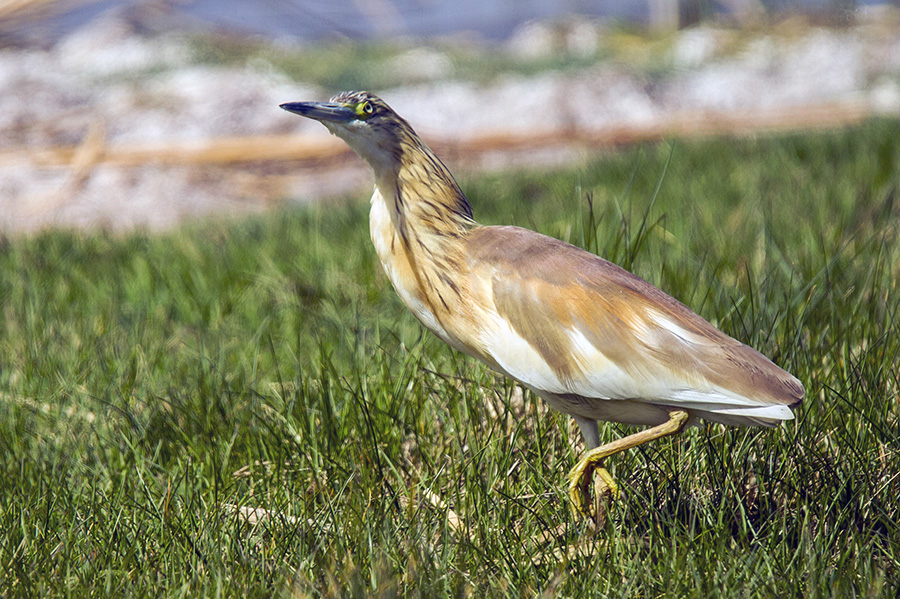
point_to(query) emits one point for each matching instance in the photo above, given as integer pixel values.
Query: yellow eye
(365, 110)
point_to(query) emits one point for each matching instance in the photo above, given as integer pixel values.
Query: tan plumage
(590, 338)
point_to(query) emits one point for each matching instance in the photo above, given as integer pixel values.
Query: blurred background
(122, 115)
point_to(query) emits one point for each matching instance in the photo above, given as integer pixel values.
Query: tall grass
(246, 409)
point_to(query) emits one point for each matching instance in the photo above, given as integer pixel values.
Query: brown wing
(648, 345)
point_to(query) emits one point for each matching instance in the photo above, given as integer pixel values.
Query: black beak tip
(291, 106)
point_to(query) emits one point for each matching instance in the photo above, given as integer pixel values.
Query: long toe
(609, 486)
(579, 488)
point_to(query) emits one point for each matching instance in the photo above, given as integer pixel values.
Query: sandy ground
(106, 89)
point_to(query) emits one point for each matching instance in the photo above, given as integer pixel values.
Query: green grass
(151, 386)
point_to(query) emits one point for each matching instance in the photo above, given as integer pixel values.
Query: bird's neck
(420, 222)
(423, 198)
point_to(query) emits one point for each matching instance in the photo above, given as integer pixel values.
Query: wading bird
(592, 339)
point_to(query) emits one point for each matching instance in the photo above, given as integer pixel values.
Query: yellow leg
(582, 474)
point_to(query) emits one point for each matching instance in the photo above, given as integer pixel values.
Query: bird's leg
(581, 476)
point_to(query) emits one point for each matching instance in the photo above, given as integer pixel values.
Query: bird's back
(571, 325)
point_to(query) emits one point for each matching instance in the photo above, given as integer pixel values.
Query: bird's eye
(365, 110)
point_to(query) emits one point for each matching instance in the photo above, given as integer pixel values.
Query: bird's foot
(582, 474)
(580, 481)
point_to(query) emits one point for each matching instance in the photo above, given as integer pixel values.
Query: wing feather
(594, 330)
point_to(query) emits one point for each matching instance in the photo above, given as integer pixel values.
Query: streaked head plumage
(366, 105)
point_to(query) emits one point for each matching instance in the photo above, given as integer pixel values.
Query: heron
(592, 339)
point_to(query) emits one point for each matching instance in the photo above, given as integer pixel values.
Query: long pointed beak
(321, 111)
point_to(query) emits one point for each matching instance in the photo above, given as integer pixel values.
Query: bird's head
(365, 122)
(400, 159)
